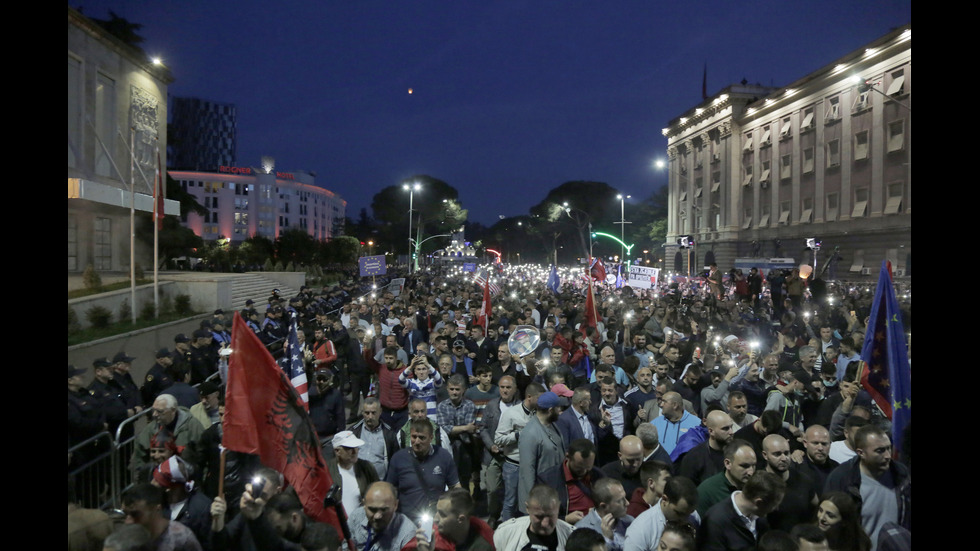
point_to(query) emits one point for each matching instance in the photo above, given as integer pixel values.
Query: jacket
(512, 535)
(847, 478)
(481, 529)
(555, 477)
(363, 471)
(187, 432)
(540, 449)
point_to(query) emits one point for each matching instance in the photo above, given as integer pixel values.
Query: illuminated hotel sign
(248, 171)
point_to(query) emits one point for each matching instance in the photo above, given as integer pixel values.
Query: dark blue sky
(510, 99)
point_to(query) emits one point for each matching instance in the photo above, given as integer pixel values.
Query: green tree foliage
(340, 250)
(295, 245)
(572, 206)
(256, 250)
(122, 29)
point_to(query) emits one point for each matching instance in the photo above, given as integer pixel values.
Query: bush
(166, 306)
(147, 311)
(139, 272)
(99, 317)
(182, 305)
(125, 312)
(290, 267)
(91, 278)
(267, 267)
(278, 266)
(73, 325)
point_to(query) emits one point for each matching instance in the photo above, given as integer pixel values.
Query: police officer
(157, 379)
(110, 400)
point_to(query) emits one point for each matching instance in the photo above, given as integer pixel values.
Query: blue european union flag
(888, 377)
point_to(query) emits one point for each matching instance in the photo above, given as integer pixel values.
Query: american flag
(481, 279)
(293, 363)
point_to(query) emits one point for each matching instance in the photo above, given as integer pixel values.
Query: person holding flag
(265, 415)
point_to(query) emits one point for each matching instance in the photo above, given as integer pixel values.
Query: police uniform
(157, 380)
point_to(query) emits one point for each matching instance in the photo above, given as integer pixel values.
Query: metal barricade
(90, 470)
(122, 451)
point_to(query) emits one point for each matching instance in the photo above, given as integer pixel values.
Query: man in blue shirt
(674, 421)
(421, 474)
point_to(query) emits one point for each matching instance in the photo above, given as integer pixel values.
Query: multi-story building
(117, 131)
(204, 134)
(755, 171)
(244, 201)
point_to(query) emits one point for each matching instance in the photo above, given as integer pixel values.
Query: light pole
(411, 189)
(622, 223)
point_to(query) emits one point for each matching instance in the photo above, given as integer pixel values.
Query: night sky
(509, 99)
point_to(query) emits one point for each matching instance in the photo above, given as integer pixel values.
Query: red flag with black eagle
(265, 416)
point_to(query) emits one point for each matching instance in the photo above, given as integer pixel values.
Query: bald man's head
(719, 429)
(816, 440)
(775, 450)
(631, 454)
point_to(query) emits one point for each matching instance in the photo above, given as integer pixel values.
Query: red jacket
(442, 544)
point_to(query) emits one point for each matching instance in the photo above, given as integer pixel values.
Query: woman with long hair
(839, 516)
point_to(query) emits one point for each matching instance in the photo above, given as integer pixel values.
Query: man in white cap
(353, 475)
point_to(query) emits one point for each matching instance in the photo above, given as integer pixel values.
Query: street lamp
(411, 189)
(622, 221)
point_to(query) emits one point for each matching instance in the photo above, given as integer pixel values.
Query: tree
(256, 250)
(390, 205)
(574, 205)
(340, 250)
(187, 201)
(295, 245)
(122, 29)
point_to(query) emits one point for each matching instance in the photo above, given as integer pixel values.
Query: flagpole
(156, 235)
(132, 226)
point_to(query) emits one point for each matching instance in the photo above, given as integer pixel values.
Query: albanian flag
(265, 416)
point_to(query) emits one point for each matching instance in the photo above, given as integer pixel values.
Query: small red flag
(486, 309)
(265, 416)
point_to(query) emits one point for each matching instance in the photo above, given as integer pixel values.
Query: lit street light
(411, 189)
(622, 223)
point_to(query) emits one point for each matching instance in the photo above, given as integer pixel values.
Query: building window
(806, 216)
(833, 153)
(715, 181)
(764, 177)
(896, 192)
(747, 219)
(896, 135)
(860, 202)
(74, 112)
(766, 137)
(784, 210)
(764, 217)
(747, 175)
(862, 101)
(747, 142)
(683, 196)
(785, 129)
(833, 207)
(241, 218)
(808, 160)
(807, 122)
(698, 187)
(103, 244)
(833, 110)
(861, 145)
(896, 87)
(105, 123)
(72, 241)
(785, 167)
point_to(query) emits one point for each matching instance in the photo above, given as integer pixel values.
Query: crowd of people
(706, 413)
